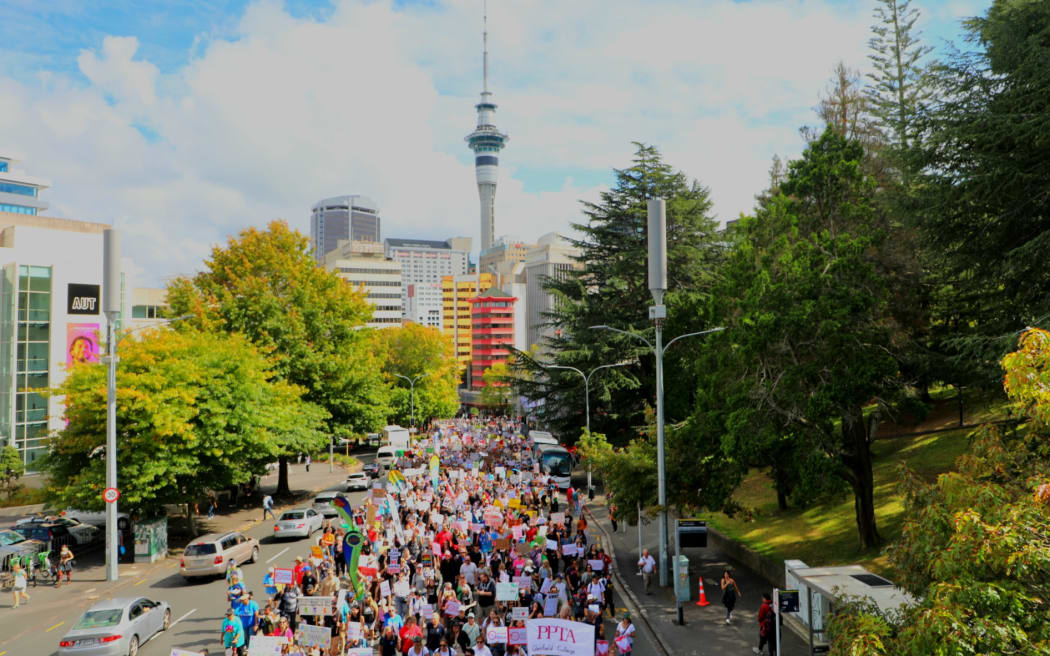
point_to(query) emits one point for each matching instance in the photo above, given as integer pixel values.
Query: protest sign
(506, 592)
(393, 568)
(353, 631)
(519, 613)
(266, 645)
(496, 634)
(452, 608)
(558, 518)
(314, 636)
(601, 648)
(524, 582)
(554, 637)
(550, 606)
(545, 587)
(283, 575)
(517, 636)
(426, 611)
(569, 550)
(501, 544)
(384, 589)
(596, 565)
(522, 549)
(402, 589)
(316, 552)
(315, 605)
(183, 652)
(359, 651)
(551, 545)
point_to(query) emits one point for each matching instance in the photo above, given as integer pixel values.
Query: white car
(84, 534)
(358, 481)
(298, 523)
(323, 504)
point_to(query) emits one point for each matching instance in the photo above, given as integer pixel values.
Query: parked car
(116, 627)
(209, 554)
(83, 533)
(371, 468)
(93, 518)
(323, 504)
(15, 545)
(298, 523)
(52, 534)
(358, 481)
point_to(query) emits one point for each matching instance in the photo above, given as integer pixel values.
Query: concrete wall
(770, 569)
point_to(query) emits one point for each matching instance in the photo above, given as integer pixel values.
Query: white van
(538, 439)
(386, 456)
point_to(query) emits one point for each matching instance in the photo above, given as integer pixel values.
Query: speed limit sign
(110, 495)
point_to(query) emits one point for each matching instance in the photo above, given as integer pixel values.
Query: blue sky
(183, 122)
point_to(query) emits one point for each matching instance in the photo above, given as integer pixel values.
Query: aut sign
(82, 299)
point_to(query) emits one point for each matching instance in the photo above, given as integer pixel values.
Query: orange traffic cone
(702, 601)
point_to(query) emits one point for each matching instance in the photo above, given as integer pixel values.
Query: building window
(32, 341)
(148, 311)
(23, 190)
(17, 209)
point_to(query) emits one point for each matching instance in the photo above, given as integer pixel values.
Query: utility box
(682, 590)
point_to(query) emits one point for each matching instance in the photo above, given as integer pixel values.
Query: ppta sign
(82, 299)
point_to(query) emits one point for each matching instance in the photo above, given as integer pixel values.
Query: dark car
(15, 545)
(53, 535)
(371, 468)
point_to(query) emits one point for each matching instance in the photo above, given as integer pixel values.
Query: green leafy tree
(807, 315)
(982, 186)
(11, 469)
(899, 83)
(973, 548)
(266, 285)
(195, 412)
(612, 288)
(426, 355)
(497, 391)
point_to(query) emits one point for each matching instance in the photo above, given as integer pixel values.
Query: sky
(182, 123)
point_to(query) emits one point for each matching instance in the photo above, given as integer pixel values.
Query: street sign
(692, 533)
(789, 601)
(110, 495)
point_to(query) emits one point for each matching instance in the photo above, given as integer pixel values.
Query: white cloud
(376, 100)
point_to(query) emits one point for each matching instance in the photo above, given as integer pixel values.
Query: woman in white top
(19, 589)
(624, 635)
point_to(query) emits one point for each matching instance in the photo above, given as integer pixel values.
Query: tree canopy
(425, 355)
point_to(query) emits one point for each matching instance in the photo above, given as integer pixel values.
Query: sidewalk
(705, 632)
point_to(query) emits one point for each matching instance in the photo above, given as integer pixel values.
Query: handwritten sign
(596, 565)
(501, 544)
(266, 645)
(506, 592)
(558, 518)
(315, 605)
(524, 582)
(283, 575)
(426, 611)
(314, 636)
(384, 589)
(569, 550)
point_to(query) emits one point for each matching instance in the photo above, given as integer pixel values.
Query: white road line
(188, 613)
(278, 555)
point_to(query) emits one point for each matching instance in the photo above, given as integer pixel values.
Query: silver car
(323, 504)
(116, 627)
(358, 481)
(298, 523)
(210, 554)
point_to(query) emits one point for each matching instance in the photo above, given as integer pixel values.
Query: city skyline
(164, 121)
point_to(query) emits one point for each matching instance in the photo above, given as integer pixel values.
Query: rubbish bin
(682, 591)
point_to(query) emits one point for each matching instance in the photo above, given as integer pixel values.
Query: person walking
(268, 507)
(65, 565)
(766, 626)
(308, 463)
(20, 583)
(646, 567)
(730, 594)
(212, 505)
(232, 633)
(624, 639)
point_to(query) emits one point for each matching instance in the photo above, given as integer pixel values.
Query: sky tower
(486, 142)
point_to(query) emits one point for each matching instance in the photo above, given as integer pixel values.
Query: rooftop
(416, 243)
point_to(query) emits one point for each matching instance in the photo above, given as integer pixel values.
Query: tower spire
(485, 46)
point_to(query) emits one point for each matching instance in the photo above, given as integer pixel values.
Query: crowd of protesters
(464, 538)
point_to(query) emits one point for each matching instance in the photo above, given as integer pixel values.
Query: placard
(426, 611)
(522, 549)
(384, 589)
(601, 648)
(550, 606)
(517, 636)
(357, 651)
(315, 605)
(506, 592)
(518, 613)
(596, 565)
(501, 544)
(452, 608)
(313, 636)
(554, 637)
(266, 645)
(316, 551)
(496, 634)
(558, 518)
(516, 531)
(284, 576)
(569, 549)
(183, 652)
(524, 582)
(402, 589)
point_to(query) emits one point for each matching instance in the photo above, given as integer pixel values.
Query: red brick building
(492, 332)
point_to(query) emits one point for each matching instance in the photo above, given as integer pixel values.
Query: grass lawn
(827, 534)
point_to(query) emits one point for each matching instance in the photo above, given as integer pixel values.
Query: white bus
(556, 461)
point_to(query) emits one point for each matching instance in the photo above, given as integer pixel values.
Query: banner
(81, 343)
(553, 637)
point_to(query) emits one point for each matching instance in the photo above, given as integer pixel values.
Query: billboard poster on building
(82, 343)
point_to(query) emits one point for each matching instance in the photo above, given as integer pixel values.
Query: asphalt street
(35, 629)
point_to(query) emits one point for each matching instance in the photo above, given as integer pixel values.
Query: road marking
(54, 627)
(188, 613)
(88, 591)
(273, 558)
(140, 582)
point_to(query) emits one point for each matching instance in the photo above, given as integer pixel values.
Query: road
(197, 608)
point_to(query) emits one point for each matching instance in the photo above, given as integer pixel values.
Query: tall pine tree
(612, 288)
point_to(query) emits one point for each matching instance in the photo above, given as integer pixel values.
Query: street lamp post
(412, 391)
(586, 397)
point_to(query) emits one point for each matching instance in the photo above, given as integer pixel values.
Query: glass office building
(342, 218)
(19, 193)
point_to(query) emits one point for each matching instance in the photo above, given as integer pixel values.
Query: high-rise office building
(423, 264)
(353, 218)
(19, 193)
(486, 141)
(492, 332)
(553, 257)
(363, 264)
(503, 256)
(456, 294)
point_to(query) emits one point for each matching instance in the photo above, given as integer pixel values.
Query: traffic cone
(702, 601)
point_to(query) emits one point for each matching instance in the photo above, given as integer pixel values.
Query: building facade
(19, 193)
(423, 264)
(363, 264)
(492, 332)
(503, 255)
(552, 258)
(353, 218)
(456, 294)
